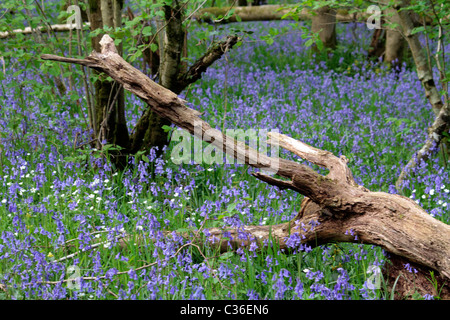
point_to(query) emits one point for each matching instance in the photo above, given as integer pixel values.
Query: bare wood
(336, 209)
(395, 41)
(276, 12)
(269, 12)
(337, 166)
(29, 30)
(214, 53)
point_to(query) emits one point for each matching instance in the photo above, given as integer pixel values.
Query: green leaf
(269, 41)
(54, 71)
(226, 255)
(147, 31)
(153, 47)
(319, 44)
(417, 29)
(166, 128)
(309, 42)
(273, 31)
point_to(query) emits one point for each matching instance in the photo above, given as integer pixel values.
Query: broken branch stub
(336, 208)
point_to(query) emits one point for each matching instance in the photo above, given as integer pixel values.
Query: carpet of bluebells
(64, 209)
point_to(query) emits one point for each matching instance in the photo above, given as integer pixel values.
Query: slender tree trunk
(420, 60)
(441, 124)
(170, 69)
(395, 42)
(110, 122)
(324, 22)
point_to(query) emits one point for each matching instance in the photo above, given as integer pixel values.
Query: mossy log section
(276, 12)
(267, 13)
(336, 208)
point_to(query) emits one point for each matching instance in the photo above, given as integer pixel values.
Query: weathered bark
(269, 12)
(214, 53)
(377, 44)
(151, 58)
(395, 41)
(336, 207)
(424, 72)
(441, 124)
(324, 23)
(109, 110)
(169, 70)
(29, 30)
(276, 12)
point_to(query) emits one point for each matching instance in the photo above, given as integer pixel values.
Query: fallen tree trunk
(276, 12)
(269, 12)
(336, 209)
(29, 30)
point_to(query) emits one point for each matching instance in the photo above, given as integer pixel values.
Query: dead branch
(213, 54)
(336, 208)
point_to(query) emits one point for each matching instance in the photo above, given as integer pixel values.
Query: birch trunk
(441, 124)
(172, 45)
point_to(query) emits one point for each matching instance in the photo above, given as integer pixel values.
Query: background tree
(110, 126)
(324, 23)
(395, 42)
